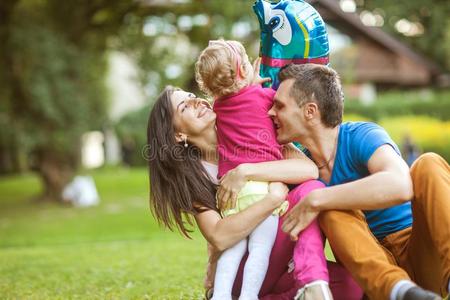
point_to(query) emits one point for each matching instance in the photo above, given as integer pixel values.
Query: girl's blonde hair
(216, 69)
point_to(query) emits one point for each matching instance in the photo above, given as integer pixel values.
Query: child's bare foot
(316, 290)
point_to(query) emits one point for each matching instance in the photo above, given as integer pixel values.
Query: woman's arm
(294, 169)
(224, 233)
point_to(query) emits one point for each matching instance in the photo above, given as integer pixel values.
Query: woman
(183, 167)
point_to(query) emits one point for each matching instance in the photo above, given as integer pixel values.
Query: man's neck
(322, 144)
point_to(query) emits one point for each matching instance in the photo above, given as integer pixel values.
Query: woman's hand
(256, 78)
(224, 233)
(230, 185)
(208, 282)
(213, 257)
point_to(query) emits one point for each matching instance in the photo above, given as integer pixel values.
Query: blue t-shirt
(357, 142)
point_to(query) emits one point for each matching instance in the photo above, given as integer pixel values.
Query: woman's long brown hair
(179, 184)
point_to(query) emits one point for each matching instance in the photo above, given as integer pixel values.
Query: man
(386, 241)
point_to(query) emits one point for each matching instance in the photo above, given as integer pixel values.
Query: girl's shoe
(316, 290)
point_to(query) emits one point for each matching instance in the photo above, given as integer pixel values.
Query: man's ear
(180, 137)
(310, 110)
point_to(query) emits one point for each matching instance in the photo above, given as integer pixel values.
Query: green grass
(112, 251)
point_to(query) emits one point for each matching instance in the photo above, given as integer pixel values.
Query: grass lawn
(112, 251)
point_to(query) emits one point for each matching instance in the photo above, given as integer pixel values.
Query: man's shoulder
(356, 131)
(355, 127)
(363, 138)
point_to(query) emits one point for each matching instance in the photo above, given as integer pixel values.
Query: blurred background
(77, 81)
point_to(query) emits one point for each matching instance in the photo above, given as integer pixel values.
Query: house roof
(330, 9)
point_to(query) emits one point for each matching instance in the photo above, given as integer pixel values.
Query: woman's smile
(203, 110)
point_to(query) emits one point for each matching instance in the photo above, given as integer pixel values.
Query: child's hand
(256, 78)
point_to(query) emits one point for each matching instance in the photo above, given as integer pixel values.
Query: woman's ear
(180, 137)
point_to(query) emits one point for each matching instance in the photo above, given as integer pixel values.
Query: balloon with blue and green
(292, 31)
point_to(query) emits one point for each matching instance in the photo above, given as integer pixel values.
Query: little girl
(245, 134)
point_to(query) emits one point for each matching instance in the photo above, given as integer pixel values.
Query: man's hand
(301, 215)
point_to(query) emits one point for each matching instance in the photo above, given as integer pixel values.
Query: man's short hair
(319, 84)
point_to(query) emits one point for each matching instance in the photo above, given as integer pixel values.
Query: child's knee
(301, 190)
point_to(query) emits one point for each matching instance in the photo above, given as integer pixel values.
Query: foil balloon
(292, 31)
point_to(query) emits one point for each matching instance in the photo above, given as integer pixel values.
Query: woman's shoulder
(212, 170)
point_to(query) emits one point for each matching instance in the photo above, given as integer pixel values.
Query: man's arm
(388, 184)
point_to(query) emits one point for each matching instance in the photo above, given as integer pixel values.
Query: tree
(429, 16)
(52, 80)
(162, 35)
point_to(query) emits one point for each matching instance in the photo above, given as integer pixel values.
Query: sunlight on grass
(112, 251)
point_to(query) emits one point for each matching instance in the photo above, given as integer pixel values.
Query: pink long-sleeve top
(245, 132)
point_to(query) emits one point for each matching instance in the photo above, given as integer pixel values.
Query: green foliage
(355, 118)
(427, 133)
(64, 91)
(132, 128)
(52, 81)
(166, 42)
(53, 87)
(432, 17)
(424, 116)
(431, 135)
(433, 104)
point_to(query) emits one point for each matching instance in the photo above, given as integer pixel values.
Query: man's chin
(282, 139)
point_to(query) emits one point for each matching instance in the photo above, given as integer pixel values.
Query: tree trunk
(56, 171)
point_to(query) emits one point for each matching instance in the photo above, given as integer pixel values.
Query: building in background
(372, 59)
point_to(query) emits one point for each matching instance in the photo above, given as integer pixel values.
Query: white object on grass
(81, 191)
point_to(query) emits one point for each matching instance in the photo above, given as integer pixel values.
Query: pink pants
(309, 261)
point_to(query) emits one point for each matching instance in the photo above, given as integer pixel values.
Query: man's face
(286, 114)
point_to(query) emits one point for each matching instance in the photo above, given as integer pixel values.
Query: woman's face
(192, 116)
